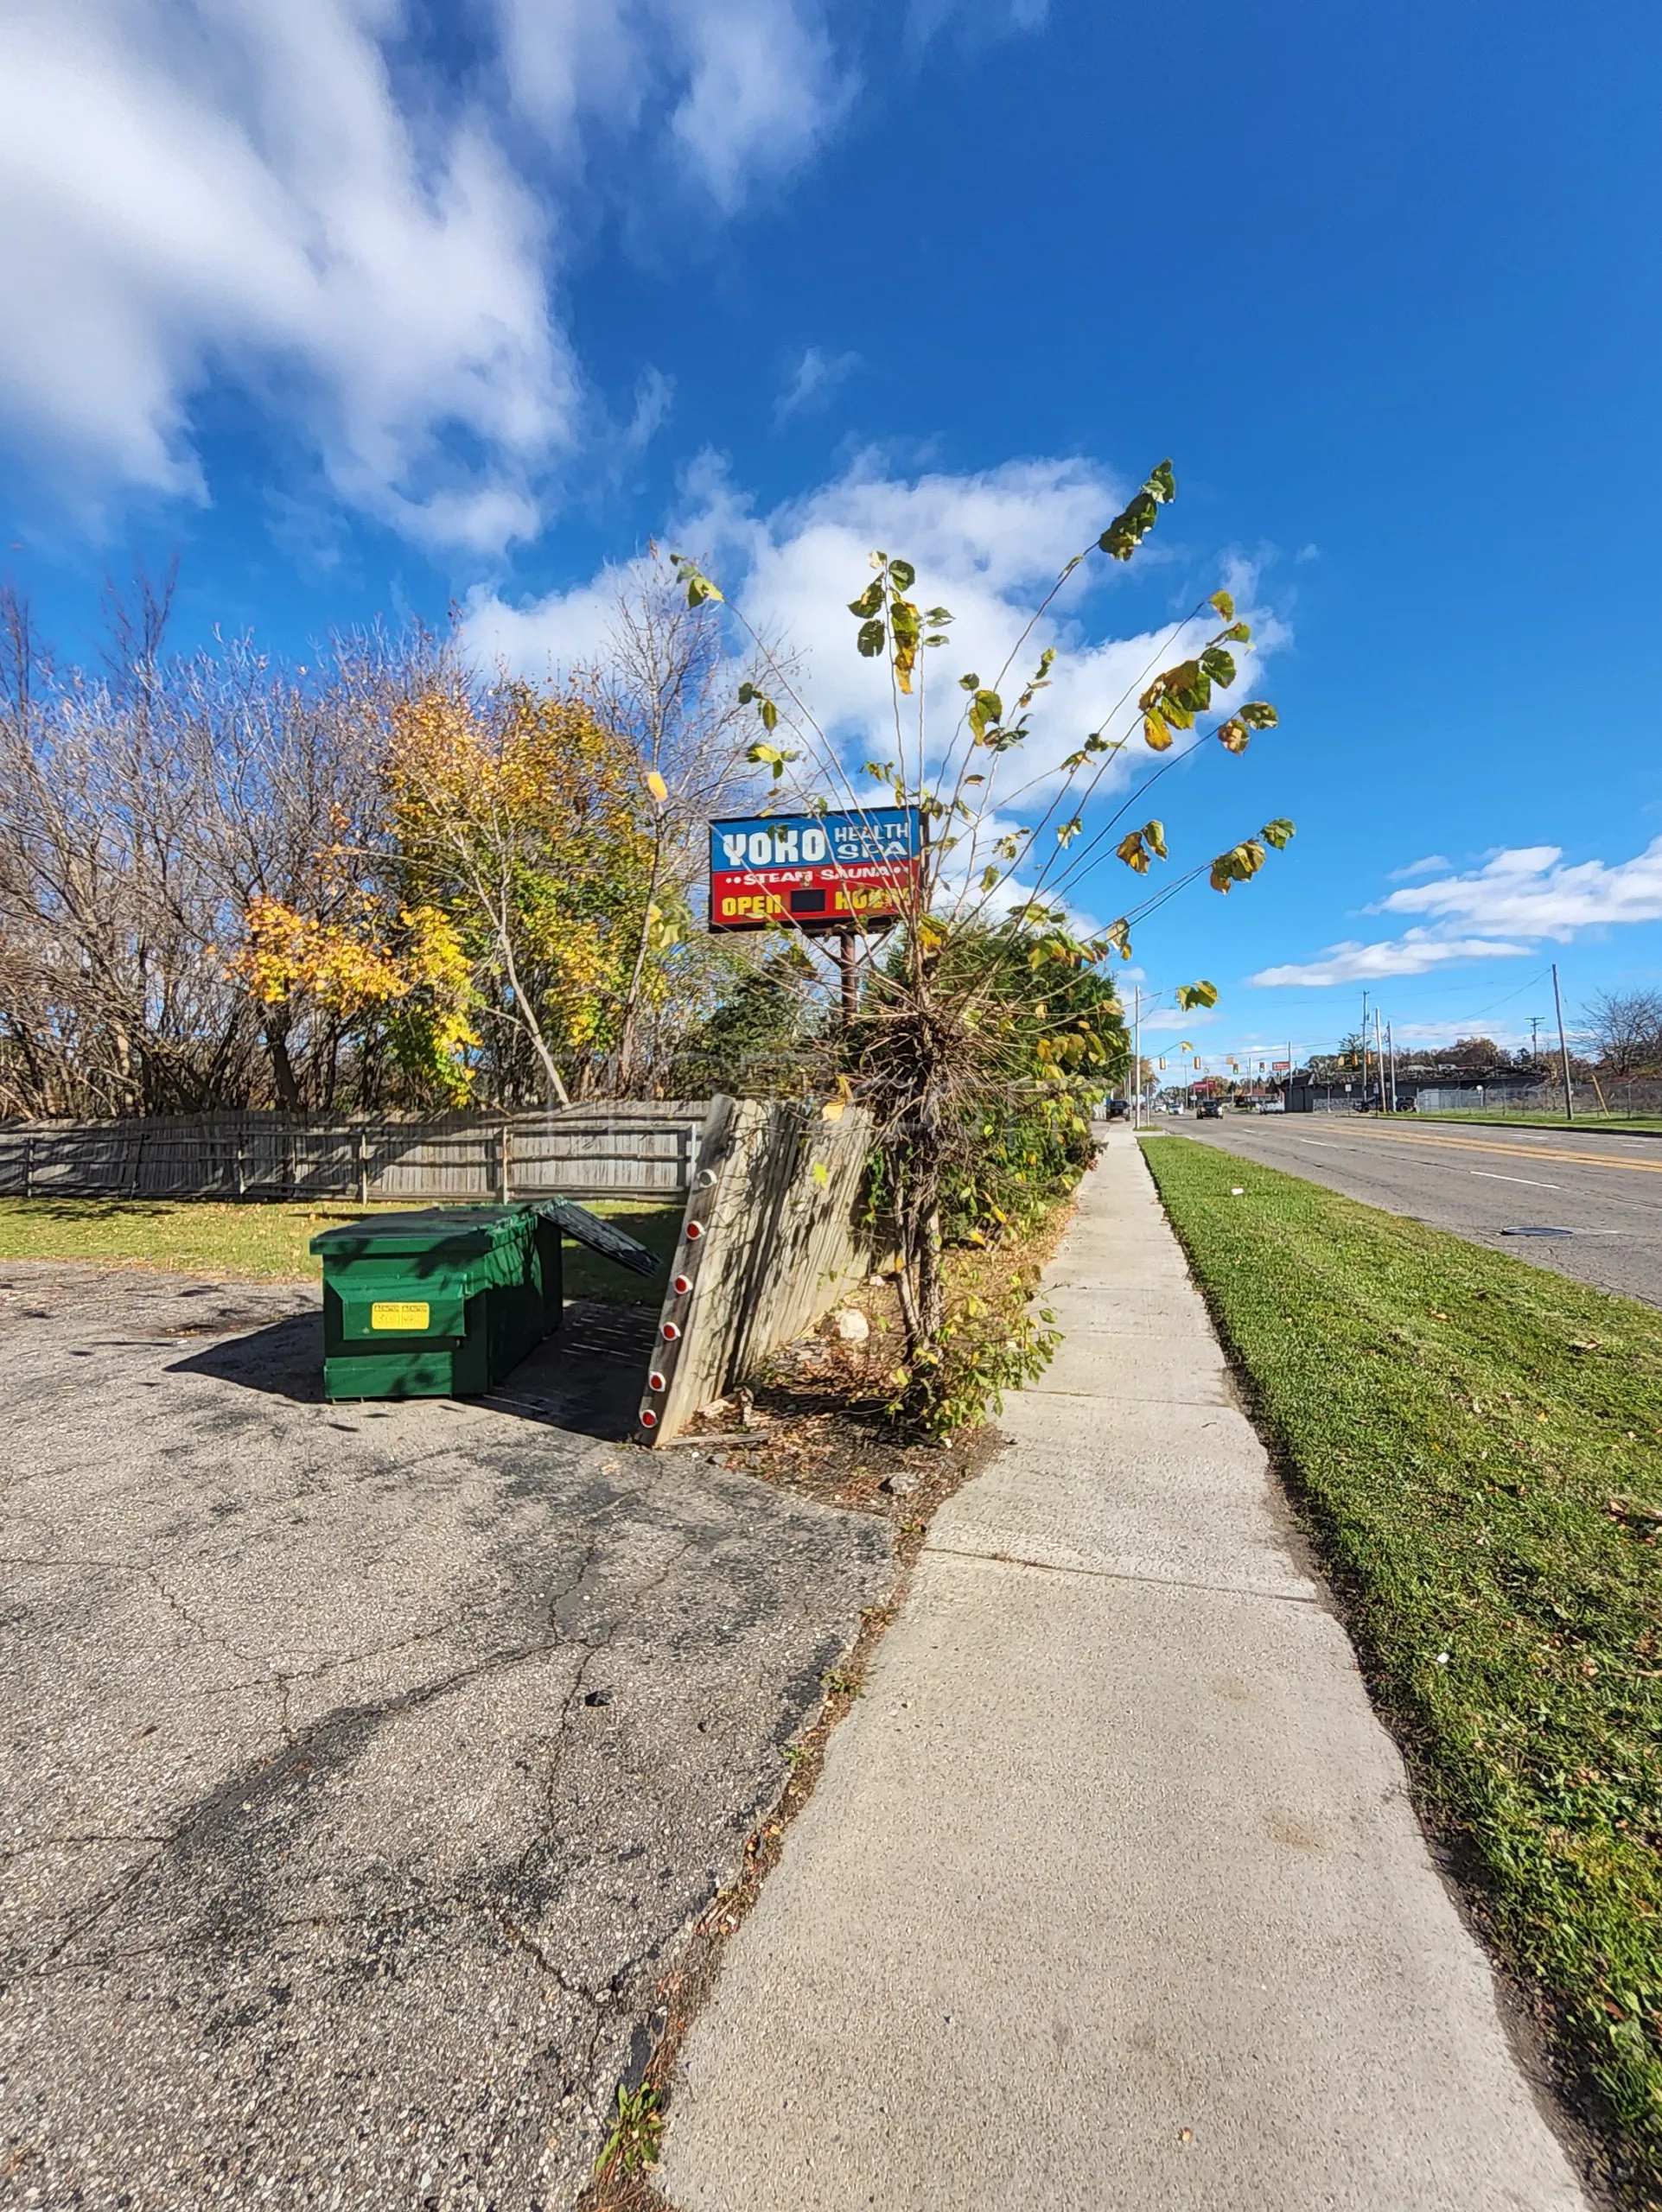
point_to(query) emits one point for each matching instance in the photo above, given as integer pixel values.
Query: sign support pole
(847, 951)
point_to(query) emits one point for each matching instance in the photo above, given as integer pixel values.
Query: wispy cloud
(1529, 891)
(1428, 866)
(987, 543)
(813, 381)
(286, 201)
(1416, 954)
(1524, 892)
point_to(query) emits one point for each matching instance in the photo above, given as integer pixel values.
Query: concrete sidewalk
(1111, 1894)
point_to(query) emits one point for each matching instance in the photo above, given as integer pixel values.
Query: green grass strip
(267, 1242)
(1475, 1443)
(1584, 1125)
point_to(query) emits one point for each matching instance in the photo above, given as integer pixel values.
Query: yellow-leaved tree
(516, 821)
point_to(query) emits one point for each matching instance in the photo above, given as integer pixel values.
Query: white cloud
(1416, 954)
(974, 18)
(191, 191)
(1529, 892)
(740, 90)
(814, 378)
(1506, 1032)
(280, 198)
(1428, 866)
(1524, 892)
(987, 544)
(1167, 1020)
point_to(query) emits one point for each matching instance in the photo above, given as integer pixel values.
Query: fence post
(29, 1168)
(507, 1158)
(242, 1179)
(363, 1167)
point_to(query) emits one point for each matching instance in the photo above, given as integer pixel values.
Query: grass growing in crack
(637, 2132)
(1475, 1440)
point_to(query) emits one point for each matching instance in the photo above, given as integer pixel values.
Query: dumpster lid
(600, 1235)
(452, 1228)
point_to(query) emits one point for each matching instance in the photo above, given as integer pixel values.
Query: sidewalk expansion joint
(1127, 1398)
(1123, 1574)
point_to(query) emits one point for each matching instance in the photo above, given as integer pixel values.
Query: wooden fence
(634, 1150)
(773, 1236)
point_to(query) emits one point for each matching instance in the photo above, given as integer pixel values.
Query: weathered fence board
(772, 1238)
(635, 1150)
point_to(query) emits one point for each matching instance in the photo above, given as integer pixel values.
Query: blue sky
(365, 310)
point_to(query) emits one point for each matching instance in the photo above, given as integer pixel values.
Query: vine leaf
(1134, 522)
(698, 585)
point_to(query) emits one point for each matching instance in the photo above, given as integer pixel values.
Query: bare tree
(159, 811)
(143, 810)
(1627, 1028)
(663, 678)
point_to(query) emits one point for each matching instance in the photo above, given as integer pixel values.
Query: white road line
(1489, 1176)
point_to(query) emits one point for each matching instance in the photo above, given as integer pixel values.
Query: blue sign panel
(816, 871)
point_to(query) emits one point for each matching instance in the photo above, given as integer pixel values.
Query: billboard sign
(814, 871)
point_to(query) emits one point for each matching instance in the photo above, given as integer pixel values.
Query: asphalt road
(1480, 1182)
(360, 1765)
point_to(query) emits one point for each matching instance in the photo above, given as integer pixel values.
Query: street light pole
(1136, 1056)
(1563, 1049)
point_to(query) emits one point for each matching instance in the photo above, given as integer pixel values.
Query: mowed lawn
(1584, 1125)
(269, 1242)
(1477, 1444)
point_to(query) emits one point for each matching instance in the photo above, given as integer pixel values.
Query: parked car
(1273, 1106)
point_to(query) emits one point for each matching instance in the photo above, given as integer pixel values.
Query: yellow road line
(1509, 1151)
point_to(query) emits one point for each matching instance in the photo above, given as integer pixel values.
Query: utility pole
(1391, 1055)
(1535, 1038)
(1363, 1034)
(1563, 1049)
(1379, 1059)
(1136, 1056)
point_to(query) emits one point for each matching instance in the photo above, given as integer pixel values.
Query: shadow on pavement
(587, 1379)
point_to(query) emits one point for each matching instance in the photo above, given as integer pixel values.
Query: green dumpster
(443, 1303)
(439, 1304)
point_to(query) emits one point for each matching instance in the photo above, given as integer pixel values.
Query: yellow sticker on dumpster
(395, 1313)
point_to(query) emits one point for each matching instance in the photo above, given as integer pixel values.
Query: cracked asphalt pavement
(364, 1764)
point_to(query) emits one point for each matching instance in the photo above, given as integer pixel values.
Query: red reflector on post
(681, 1285)
(648, 1418)
(694, 1230)
(656, 1381)
(671, 1331)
